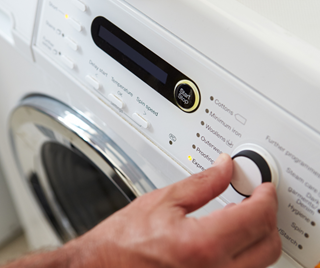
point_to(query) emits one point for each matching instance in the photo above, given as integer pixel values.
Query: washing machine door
(77, 174)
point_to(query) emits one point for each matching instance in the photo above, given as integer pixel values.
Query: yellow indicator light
(190, 158)
(66, 16)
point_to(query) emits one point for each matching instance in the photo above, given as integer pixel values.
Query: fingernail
(221, 159)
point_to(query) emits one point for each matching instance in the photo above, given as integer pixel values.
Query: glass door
(77, 174)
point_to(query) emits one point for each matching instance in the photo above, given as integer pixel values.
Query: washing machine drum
(76, 173)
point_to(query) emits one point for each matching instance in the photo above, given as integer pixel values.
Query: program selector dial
(252, 166)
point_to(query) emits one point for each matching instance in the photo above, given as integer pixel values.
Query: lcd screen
(133, 55)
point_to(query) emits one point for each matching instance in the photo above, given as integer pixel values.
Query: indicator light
(190, 158)
(66, 16)
(318, 266)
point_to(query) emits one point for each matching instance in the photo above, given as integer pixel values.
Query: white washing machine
(102, 101)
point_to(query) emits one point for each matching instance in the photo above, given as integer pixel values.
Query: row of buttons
(75, 24)
(91, 80)
(78, 27)
(111, 97)
(118, 102)
(136, 117)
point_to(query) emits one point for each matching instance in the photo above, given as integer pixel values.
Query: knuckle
(267, 211)
(270, 219)
(277, 246)
(270, 194)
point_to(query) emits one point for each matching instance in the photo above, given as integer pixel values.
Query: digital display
(132, 54)
(146, 65)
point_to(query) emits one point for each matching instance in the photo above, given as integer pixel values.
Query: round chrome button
(187, 96)
(252, 166)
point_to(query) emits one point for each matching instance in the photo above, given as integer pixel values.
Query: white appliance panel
(231, 113)
(261, 93)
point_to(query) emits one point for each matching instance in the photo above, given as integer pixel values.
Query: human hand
(153, 231)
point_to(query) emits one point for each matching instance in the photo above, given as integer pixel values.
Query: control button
(72, 44)
(81, 6)
(76, 25)
(140, 120)
(187, 96)
(93, 82)
(69, 63)
(252, 167)
(116, 101)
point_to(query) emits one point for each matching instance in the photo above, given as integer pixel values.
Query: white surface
(116, 101)
(140, 120)
(76, 25)
(246, 175)
(80, 5)
(93, 82)
(7, 23)
(72, 44)
(24, 15)
(299, 17)
(67, 62)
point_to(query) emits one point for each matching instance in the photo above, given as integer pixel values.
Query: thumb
(198, 189)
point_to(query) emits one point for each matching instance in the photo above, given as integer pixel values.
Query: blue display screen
(132, 54)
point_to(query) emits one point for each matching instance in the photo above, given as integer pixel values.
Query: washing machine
(103, 101)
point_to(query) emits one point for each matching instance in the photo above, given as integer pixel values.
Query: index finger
(198, 189)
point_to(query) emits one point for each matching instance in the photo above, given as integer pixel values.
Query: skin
(153, 231)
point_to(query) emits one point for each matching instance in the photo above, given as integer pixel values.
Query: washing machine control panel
(201, 113)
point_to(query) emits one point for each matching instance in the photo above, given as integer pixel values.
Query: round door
(78, 175)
